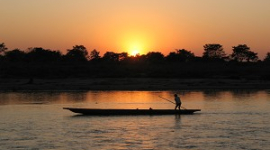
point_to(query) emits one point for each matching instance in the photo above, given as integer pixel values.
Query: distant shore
(147, 84)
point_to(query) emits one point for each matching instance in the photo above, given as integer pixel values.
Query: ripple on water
(221, 125)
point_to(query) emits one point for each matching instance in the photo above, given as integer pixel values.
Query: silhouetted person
(177, 101)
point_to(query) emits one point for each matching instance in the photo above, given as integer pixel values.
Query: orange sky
(142, 25)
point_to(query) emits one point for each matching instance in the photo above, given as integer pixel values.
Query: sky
(136, 25)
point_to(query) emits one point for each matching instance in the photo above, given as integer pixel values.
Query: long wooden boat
(106, 112)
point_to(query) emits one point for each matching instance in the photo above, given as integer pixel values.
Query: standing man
(177, 101)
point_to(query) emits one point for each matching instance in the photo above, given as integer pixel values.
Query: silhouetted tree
(110, 57)
(214, 52)
(94, 55)
(15, 55)
(185, 55)
(172, 57)
(116, 57)
(39, 54)
(78, 54)
(239, 52)
(252, 56)
(150, 65)
(181, 55)
(242, 53)
(123, 56)
(138, 59)
(267, 57)
(154, 57)
(3, 48)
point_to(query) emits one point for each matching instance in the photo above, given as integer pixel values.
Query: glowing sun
(135, 49)
(134, 52)
(135, 43)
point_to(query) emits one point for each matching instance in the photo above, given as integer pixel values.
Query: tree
(267, 57)
(214, 51)
(138, 59)
(252, 56)
(154, 57)
(94, 55)
(111, 57)
(123, 56)
(242, 53)
(38, 54)
(79, 54)
(3, 48)
(181, 55)
(185, 55)
(172, 57)
(115, 57)
(15, 55)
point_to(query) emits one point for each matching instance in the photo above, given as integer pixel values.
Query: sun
(135, 43)
(134, 52)
(135, 49)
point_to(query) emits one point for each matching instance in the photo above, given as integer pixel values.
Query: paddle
(170, 101)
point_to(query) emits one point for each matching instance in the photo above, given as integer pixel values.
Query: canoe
(106, 112)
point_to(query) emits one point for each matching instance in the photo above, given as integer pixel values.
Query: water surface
(228, 120)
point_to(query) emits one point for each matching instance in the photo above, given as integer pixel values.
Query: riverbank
(147, 84)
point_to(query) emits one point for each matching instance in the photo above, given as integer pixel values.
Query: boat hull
(106, 112)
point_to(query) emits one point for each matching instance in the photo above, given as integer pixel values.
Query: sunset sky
(135, 25)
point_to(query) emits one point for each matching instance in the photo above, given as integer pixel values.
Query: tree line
(79, 62)
(79, 53)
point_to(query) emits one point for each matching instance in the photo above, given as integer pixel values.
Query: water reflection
(136, 99)
(177, 123)
(74, 96)
(226, 119)
(233, 94)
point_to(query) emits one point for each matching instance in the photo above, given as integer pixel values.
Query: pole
(169, 101)
(166, 99)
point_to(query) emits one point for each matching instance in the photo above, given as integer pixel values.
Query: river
(237, 119)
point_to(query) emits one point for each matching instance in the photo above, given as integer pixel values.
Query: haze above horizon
(135, 25)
